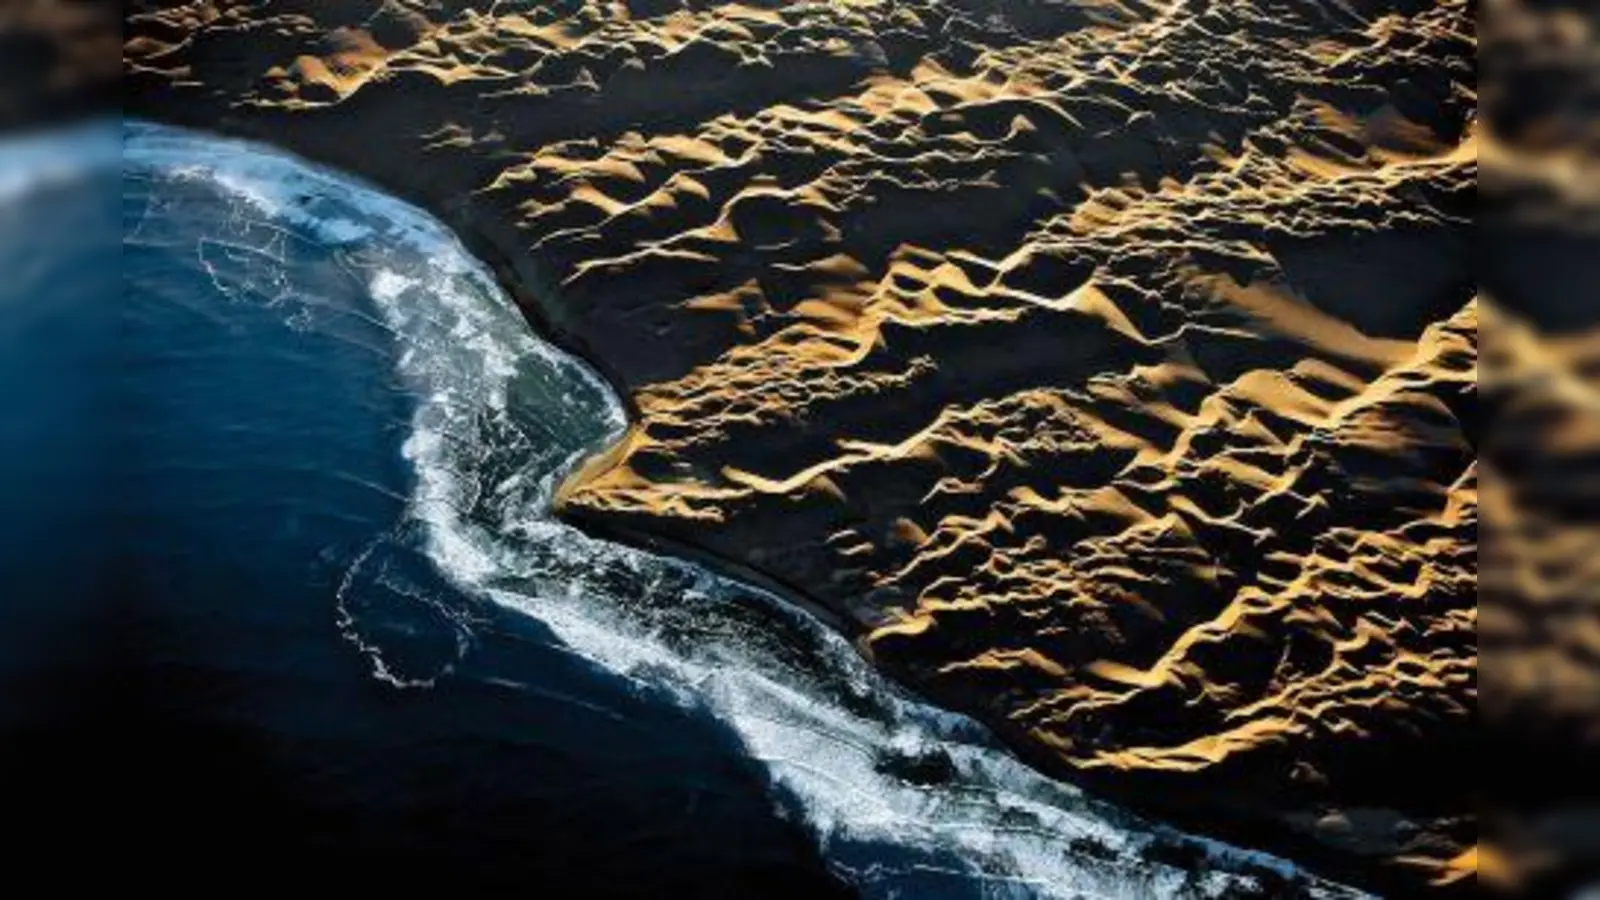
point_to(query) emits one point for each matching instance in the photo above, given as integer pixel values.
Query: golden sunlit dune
(1108, 369)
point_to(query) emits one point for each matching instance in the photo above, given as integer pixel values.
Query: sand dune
(1109, 368)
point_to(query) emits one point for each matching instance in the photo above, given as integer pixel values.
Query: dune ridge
(1108, 368)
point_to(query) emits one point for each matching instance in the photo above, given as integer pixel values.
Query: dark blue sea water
(277, 476)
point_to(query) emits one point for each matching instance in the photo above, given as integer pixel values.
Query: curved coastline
(1106, 371)
(503, 270)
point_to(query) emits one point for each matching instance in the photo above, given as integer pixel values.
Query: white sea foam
(504, 415)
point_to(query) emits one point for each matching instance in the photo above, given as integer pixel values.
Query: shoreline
(516, 274)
